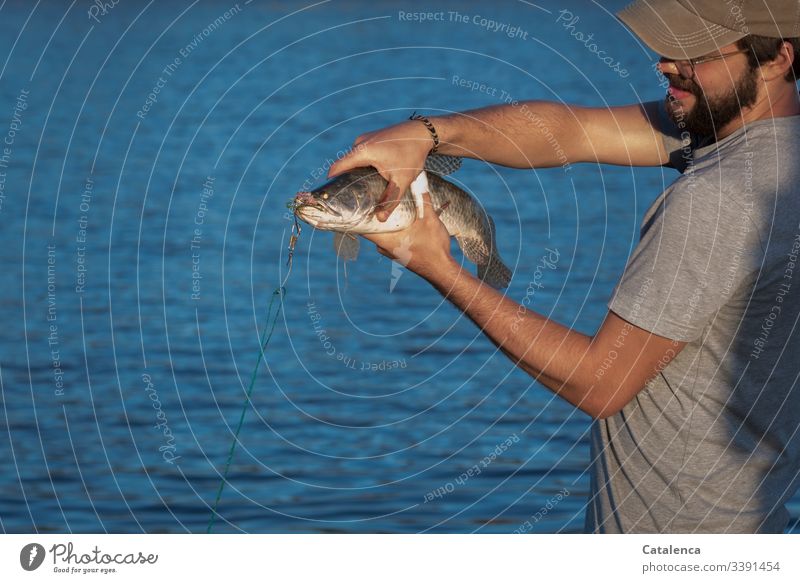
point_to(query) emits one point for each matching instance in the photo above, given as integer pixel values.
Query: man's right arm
(530, 134)
(538, 134)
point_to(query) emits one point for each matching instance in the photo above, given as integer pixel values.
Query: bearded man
(696, 418)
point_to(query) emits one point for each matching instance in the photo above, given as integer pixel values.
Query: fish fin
(346, 246)
(483, 253)
(442, 164)
(495, 273)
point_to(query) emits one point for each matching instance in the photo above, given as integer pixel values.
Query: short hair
(762, 49)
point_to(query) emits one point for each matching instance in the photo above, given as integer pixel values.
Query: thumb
(355, 158)
(395, 188)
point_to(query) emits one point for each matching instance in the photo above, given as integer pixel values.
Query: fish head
(343, 203)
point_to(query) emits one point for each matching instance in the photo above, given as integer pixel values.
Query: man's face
(714, 96)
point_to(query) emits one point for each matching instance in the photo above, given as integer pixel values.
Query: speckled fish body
(347, 205)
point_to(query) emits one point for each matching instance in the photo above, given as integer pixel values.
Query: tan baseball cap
(687, 29)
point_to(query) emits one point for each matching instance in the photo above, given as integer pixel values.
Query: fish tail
(481, 249)
(494, 272)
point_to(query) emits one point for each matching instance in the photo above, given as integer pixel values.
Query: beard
(711, 114)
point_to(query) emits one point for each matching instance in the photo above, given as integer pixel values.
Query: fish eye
(324, 196)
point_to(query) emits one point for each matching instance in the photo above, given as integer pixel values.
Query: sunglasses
(686, 67)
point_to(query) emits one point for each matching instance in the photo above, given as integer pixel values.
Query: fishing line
(265, 338)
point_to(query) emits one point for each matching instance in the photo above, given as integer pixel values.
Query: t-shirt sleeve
(698, 249)
(678, 143)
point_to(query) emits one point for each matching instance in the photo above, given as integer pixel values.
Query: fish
(346, 205)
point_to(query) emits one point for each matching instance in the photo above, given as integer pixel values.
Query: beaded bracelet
(431, 129)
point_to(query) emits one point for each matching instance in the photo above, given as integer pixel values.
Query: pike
(346, 205)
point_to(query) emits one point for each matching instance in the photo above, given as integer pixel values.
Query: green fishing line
(262, 347)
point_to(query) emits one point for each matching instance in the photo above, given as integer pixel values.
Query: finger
(426, 199)
(362, 138)
(355, 158)
(439, 211)
(371, 237)
(381, 250)
(389, 201)
(428, 202)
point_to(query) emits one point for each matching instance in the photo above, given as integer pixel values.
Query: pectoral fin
(346, 246)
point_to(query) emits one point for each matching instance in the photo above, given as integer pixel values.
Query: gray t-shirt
(712, 443)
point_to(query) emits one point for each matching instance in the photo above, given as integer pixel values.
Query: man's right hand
(397, 152)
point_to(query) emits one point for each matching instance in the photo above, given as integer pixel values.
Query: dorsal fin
(442, 164)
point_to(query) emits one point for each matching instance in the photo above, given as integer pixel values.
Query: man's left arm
(599, 374)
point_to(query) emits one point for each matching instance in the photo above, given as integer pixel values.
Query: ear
(778, 67)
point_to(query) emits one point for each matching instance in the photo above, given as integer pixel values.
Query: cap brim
(674, 31)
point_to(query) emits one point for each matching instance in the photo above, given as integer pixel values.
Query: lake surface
(143, 231)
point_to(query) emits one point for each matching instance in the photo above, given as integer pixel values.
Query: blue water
(142, 240)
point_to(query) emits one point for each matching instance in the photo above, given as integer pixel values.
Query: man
(697, 416)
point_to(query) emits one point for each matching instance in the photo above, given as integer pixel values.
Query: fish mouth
(320, 214)
(305, 200)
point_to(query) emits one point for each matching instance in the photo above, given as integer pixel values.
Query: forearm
(526, 135)
(558, 357)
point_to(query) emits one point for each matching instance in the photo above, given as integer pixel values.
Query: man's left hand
(423, 247)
